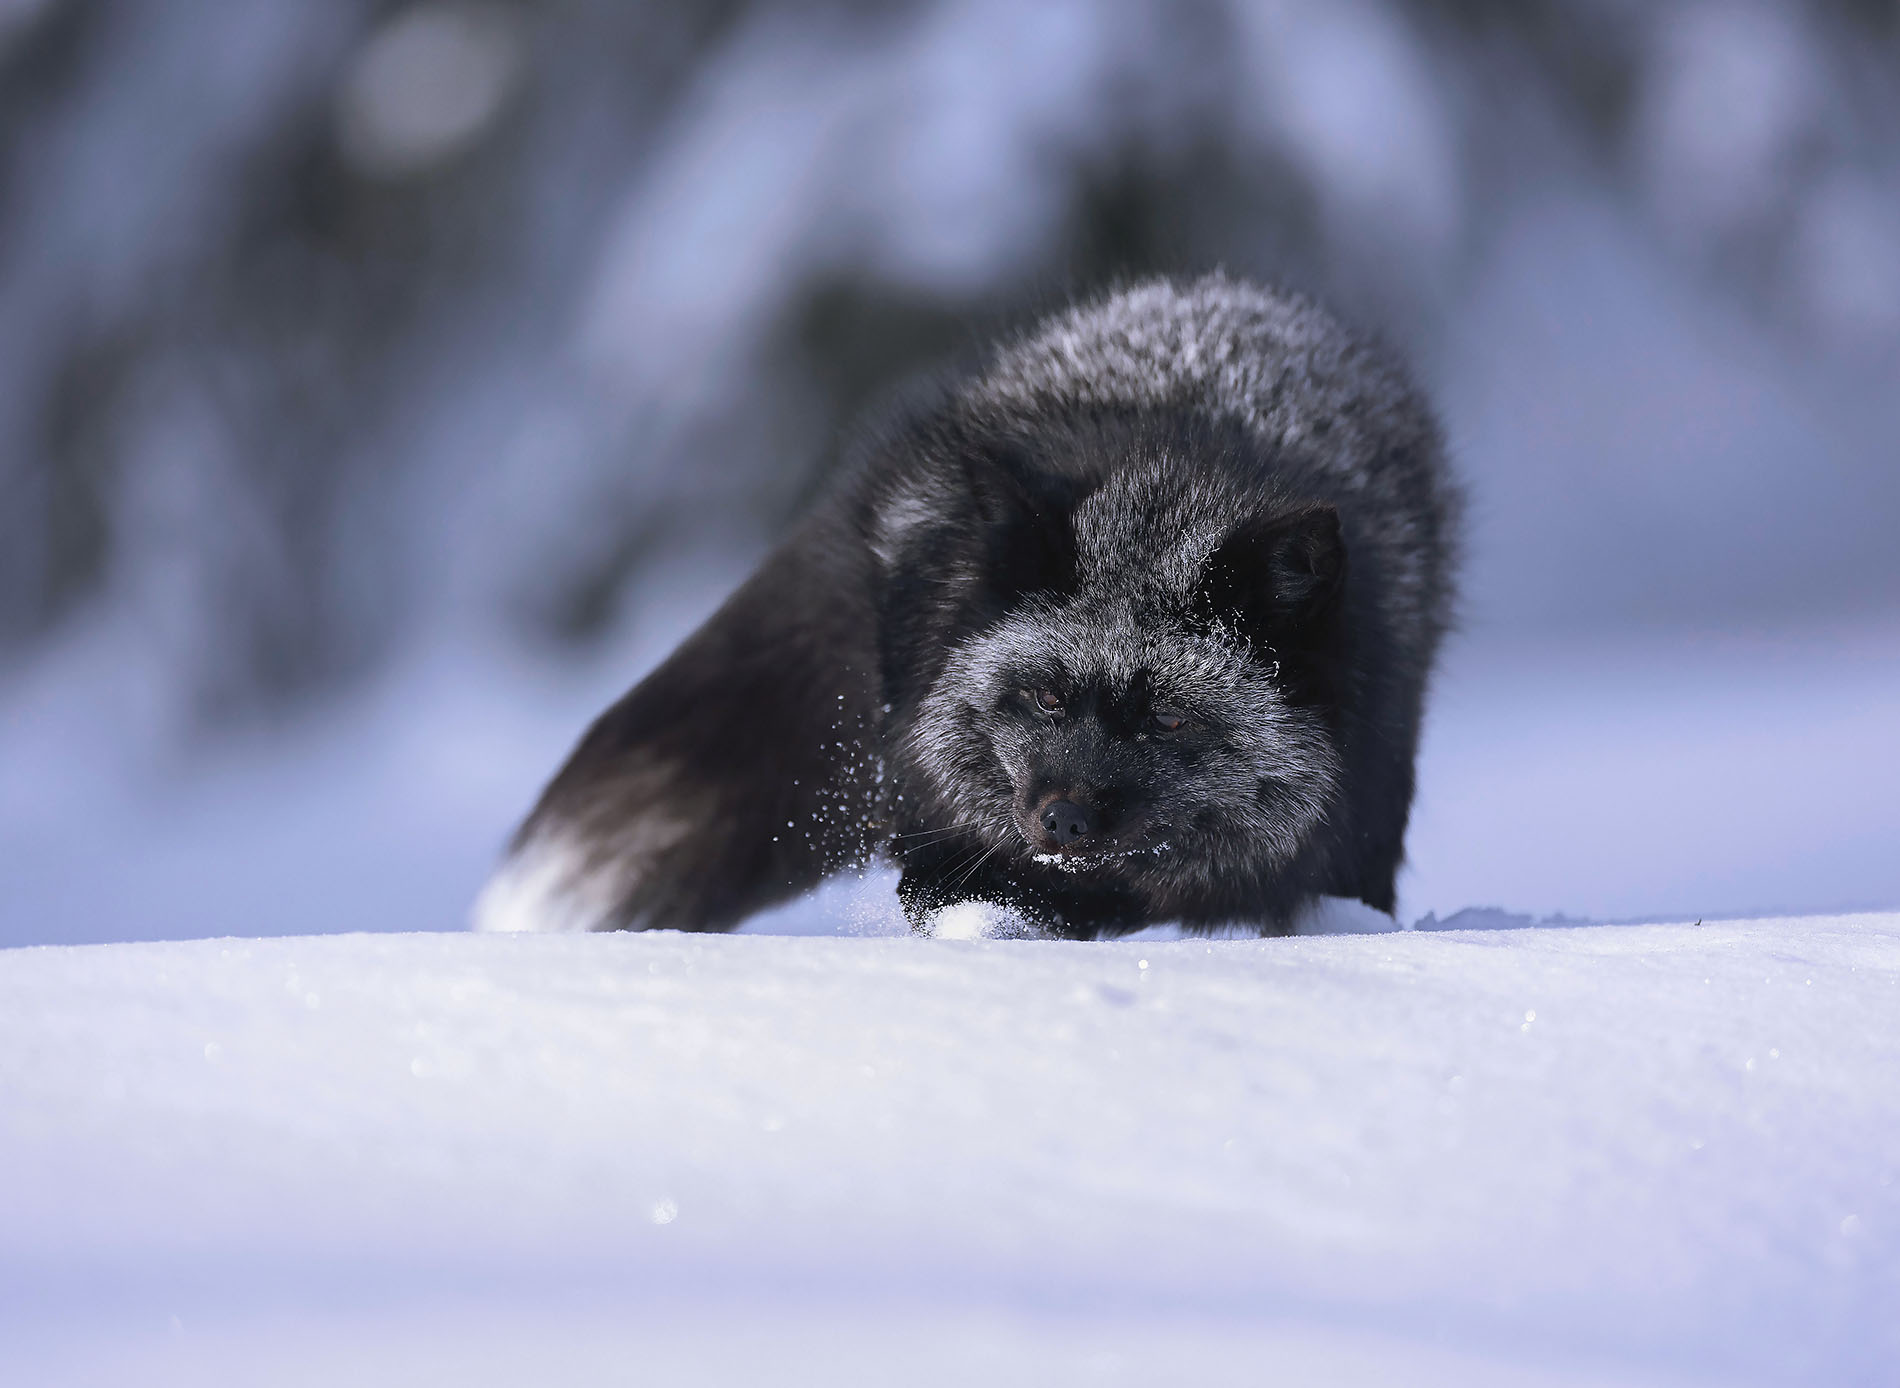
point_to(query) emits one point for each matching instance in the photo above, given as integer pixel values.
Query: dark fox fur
(1133, 625)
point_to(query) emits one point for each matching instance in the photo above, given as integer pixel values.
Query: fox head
(1138, 687)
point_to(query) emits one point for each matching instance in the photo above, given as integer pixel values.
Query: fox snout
(1064, 821)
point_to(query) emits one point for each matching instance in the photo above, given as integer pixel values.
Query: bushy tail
(739, 773)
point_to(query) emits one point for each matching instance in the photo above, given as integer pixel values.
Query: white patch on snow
(976, 920)
(967, 920)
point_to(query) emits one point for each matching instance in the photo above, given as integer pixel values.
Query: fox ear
(1026, 519)
(1273, 578)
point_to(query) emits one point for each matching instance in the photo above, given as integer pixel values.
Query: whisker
(970, 871)
(976, 854)
(942, 830)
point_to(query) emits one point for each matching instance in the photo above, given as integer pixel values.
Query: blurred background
(384, 387)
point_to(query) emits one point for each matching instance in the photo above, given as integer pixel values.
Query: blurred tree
(323, 320)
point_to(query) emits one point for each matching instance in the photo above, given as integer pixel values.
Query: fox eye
(1045, 699)
(1167, 720)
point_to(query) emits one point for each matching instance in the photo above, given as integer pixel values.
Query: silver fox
(1133, 624)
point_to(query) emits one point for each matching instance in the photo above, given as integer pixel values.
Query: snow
(1593, 1155)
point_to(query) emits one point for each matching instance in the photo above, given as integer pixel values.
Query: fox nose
(1065, 821)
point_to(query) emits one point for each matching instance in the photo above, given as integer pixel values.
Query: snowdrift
(1615, 1155)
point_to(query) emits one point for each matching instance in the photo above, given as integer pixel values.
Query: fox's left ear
(1276, 577)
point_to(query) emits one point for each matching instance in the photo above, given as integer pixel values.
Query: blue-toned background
(384, 387)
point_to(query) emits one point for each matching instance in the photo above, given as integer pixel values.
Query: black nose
(1065, 821)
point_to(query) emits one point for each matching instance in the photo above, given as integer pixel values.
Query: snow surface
(1599, 1155)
